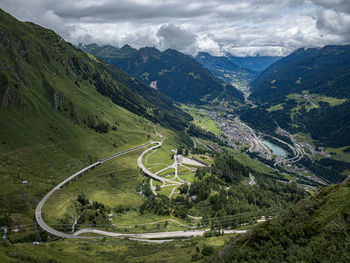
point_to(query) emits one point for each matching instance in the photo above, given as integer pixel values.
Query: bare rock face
(57, 100)
(9, 98)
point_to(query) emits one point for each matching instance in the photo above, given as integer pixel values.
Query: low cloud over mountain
(273, 27)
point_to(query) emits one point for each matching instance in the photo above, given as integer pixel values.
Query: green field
(314, 98)
(160, 158)
(113, 183)
(112, 250)
(201, 119)
(166, 191)
(276, 107)
(252, 163)
(339, 153)
(187, 177)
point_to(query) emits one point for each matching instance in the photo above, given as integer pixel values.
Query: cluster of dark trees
(229, 169)
(224, 199)
(240, 203)
(328, 169)
(300, 234)
(94, 123)
(91, 213)
(162, 205)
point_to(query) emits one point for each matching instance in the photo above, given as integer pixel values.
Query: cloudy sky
(243, 27)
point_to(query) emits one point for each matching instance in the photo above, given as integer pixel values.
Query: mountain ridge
(176, 75)
(320, 70)
(307, 91)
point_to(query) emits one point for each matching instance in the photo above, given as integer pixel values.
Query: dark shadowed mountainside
(307, 91)
(174, 74)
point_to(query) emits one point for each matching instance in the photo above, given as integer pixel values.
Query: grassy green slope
(54, 119)
(33, 56)
(112, 250)
(314, 230)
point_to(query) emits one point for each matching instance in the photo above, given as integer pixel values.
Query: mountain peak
(127, 47)
(178, 75)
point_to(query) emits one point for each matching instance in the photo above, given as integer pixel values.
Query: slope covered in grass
(60, 111)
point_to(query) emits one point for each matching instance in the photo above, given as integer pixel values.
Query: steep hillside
(307, 91)
(226, 70)
(30, 53)
(314, 230)
(176, 75)
(323, 71)
(257, 63)
(60, 111)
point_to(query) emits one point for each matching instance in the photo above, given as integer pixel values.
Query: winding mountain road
(189, 233)
(140, 236)
(148, 172)
(38, 215)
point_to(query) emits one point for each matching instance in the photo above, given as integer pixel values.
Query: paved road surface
(149, 173)
(38, 215)
(189, 233)
(76, 234)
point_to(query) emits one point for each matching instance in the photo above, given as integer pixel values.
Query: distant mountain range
(256, 63)
(174, 74)
(225, 69)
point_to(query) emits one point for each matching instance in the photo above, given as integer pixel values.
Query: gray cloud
(172, 36)
(250, 27)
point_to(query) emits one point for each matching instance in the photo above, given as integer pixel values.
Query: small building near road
(179, 159)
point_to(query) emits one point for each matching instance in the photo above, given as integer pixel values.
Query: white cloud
(206, 43)
(265, 27)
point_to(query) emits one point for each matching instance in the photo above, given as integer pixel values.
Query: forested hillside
(176, 75)
(315, 230)
(323, 71)
(307, 91)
